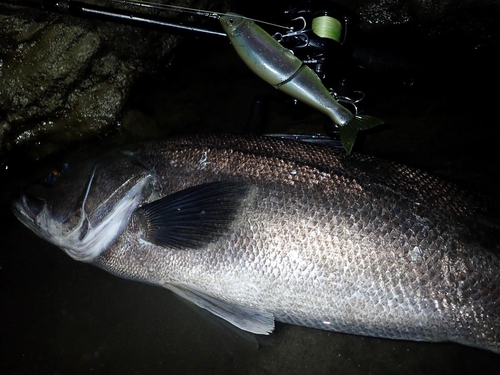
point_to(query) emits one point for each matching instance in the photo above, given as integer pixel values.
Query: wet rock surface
(454, 21)
(65, 79)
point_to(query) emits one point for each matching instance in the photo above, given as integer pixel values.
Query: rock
(65, 79)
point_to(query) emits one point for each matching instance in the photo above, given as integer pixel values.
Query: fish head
(85, 207)
(233, 24)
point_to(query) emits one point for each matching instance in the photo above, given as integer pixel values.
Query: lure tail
(349, 131)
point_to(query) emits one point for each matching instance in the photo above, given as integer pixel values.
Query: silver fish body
(298, 233)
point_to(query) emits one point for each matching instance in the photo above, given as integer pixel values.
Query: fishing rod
(272, 58)
(119, 15)
(316, 31)
(195, 11)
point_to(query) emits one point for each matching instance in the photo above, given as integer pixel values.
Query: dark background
(59, 316)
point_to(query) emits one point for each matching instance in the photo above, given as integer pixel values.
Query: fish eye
(230, 21)
(54, 174)
(51, 177)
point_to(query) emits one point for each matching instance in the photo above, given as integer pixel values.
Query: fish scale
(319, 239)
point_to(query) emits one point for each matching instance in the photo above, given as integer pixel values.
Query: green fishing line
(327, 27)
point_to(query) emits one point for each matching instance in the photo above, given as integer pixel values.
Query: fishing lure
(283, 70)
(264, 55)
(278, 66)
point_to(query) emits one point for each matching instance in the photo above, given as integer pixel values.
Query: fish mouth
(27, 209)
(85, 241)
(32, 212)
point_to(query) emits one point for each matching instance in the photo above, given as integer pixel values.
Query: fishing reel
(319, 38)
(317, 35)
(319, 32)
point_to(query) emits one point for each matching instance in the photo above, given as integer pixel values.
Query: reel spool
(326, 26)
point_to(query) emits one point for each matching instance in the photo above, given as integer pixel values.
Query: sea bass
(258, 230)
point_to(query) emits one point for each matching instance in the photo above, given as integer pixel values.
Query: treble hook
(299, 33)
(303, 20)
(348, 100)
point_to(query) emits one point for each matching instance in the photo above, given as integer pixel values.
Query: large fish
(256, 230)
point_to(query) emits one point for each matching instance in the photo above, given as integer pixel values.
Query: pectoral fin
(258, 322)
(349, 131)
(194, 217)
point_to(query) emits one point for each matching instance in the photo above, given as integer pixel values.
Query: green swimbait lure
(283, 70)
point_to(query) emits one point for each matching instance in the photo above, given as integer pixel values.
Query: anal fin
(258, 322)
